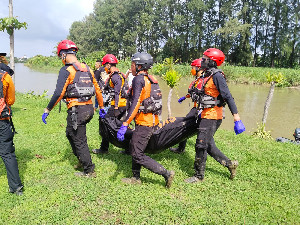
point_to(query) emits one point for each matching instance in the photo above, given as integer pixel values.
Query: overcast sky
(48, 23)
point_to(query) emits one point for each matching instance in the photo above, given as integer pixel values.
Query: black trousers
(110, 113)
(137, 146)
(205, 143)
(7, 153)
(77, 138)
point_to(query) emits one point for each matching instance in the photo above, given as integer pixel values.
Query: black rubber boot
(103, 147)
(135, 179)
(199, 167)
(169, 177)
(232, 168)
(180, 149)
(18, 192)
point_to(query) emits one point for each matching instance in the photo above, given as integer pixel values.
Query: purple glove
(239, 127)
(121, 133)
(181, 99)
(44, 116)
(102, 113)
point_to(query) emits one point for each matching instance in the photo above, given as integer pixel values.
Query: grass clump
(265, 190)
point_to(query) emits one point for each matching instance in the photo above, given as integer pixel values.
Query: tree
(273, 79)
(9, 24)
(172, 77)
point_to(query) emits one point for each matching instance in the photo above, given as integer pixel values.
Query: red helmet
(196, 62)
(215, 55)
(67, 45)
(109, 58)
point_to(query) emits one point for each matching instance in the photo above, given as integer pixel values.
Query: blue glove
(44, 116)
(102, 113)
(239, 127)
(181, 99)
(121, 133)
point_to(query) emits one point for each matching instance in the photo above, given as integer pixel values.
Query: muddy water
(283, 117)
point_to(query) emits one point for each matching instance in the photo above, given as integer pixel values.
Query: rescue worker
(99, 78)
(77, 84)
(146, 119)
(213, 93)
(4, 66)
(7, 148)
(197, 72)
(116, 87)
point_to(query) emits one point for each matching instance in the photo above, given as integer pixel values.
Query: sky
(48, 22)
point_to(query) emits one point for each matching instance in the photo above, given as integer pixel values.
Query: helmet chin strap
(137, 69)
(64, 58)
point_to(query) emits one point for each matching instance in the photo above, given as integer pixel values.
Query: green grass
(265, 190)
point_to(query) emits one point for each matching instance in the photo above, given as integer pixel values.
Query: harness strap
(74, 118)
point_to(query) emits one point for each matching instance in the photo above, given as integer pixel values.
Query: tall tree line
(249, 32)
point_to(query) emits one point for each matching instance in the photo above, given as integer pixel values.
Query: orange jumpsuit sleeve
(8, 90)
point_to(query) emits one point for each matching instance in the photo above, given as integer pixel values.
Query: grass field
(266, 189)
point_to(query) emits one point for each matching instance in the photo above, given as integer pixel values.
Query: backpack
(82, 87)
(5, 110)
(125, 90)
(153, 104)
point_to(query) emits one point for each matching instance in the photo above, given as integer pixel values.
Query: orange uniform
(8, 91)
(141, 91)
(65, 78)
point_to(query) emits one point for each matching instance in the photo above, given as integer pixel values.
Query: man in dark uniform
(7, 148)
(213, 92)
(77, 84)
(145, 121)
(197, 72)
(115, 87)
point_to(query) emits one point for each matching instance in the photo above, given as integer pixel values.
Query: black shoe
(18, 192)
(100, 151)
(177, 150)
(169, 179)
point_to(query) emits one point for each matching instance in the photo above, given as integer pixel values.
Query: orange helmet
(67, 46)
(215, 55)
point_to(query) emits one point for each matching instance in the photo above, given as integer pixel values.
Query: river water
(283, 117)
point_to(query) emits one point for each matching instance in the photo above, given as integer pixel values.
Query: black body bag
(166, 134)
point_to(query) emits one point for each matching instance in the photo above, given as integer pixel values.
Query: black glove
(117, 113)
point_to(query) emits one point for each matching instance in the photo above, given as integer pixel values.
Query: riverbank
(265, 190)
(237, 74)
